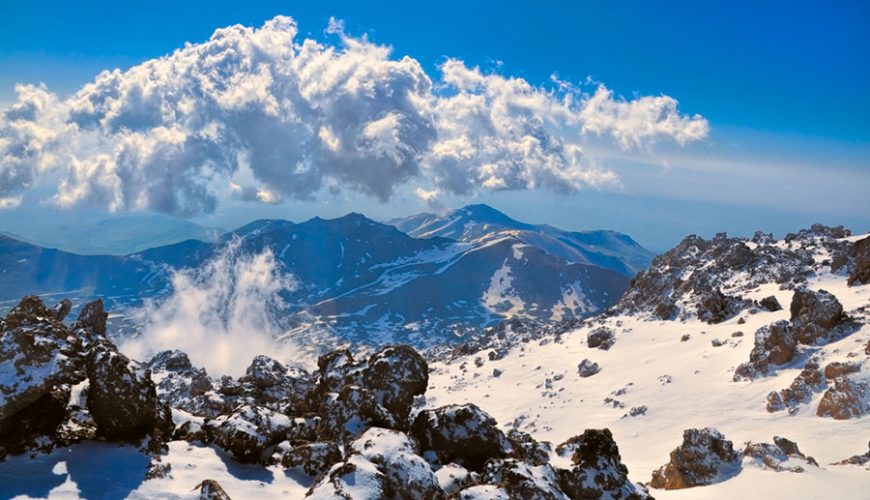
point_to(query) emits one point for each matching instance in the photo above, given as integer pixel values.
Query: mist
(221, 314)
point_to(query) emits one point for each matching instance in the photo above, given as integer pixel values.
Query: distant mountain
(358, 279)
(607, 249)
(119, 235)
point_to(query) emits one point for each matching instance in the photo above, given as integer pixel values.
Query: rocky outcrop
(248, 432)
(395, 374)
(183, 386)
(313, 458)
(464, 434)
(857, 459)
(715, 307)
(598, 471)
(704, 457)
(397, 457)
(808, 382)
(518, 479)
(42, 360)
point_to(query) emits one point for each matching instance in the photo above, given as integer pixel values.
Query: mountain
(753, 377)
(120, 235)
(607, 249)
(357, 280)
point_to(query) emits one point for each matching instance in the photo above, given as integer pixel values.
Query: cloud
(306, 117)
(221, 315)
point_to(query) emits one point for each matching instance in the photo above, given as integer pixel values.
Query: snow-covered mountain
(357, 280)
(607, 249)
(752, 380)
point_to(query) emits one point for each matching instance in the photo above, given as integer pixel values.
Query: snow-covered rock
(704, 457)
(460, 433)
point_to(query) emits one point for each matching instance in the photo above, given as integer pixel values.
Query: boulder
(395, 374)
(715, 307)
(770, 303)
(814, 314)
(182, 385)
(704, 457)
(347, 414)
(122, 398)
(860, 252)
(587, 368)
(248, 432)
(782, 455)
(857, 459)
(396, 455)
(460, 433)
(598, 471)
(602, 338)
(849, 397)
(92, 318)
(525, 448)
(775, 344)
(313, 458)
(356, 478)
(35, 427)
(269, 383)
(521, 480)
(808, 382)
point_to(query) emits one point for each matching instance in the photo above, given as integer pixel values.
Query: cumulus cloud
(306, 117)
(221, 315)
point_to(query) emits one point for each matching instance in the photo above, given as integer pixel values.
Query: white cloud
(307, 117)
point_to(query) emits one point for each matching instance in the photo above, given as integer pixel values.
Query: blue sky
(784, 86)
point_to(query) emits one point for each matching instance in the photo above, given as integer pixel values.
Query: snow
(100, 470)
(683, 384)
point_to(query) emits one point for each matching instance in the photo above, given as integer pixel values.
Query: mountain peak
(482, 212)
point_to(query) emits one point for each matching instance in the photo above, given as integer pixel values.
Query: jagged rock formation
(706, 279)
(209, 489)
(598, 468)
(704, 457)
(41, 359)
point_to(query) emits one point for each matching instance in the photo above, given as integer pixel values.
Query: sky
(731, 116)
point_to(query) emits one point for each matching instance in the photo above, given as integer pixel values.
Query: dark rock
(814, 314)
(521, 480)
(808, 382)
(685, 337)
(354, 478)
(248, 432)
(395, 374)
(860, 252)
(587, 368)
(716, 307)
(406, 473)
(461, 433)
(770, 303)
(775, 344)
(774, 456)
(93, 318)
(857, 459)
(598, 471)
(602, 338)
(313, 458)
(61, 309)
(182, 385)
(22, 430)
(347, 414)
(704, 457)
(841, 368)
(528, 450)
(122, 398)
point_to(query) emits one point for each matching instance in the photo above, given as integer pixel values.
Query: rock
(848, 398)
(183, 386)
(685, 337)
(396, 455)
(598, 471)
(338, 369)
(775, 344)
(716, 307)
(704, 457)
(780, 456)
(347, 414)
(313, 458)
(770, 303)
(93, 318)
(808, 382)
(453, 477)
(269, 383)
(841, 368)
(61, 309)
(496, 373)
(37, 355)
(716, 343)
(356, 478)
(528, 450)
(209, 489)
(587, 368)
(521, 480)
(857, 459)
(122, 398)
(464, 434)
(248, 432)
(666, 309)
(860, 252)
(814, 314)
(602, 338)
(395, 374)
(35, 426)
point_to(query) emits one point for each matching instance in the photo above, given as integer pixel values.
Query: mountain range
(365, 281)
